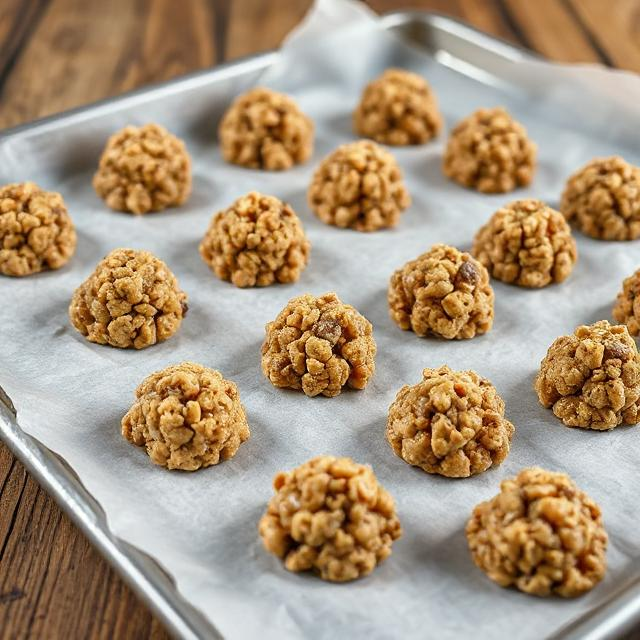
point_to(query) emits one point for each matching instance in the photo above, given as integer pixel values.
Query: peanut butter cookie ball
(319, 345)
(330, 516)
(603, 199)
(490, 151)
(36, 232)
(264, 129)
(540, 534)
(143, 169)
(627, 307)
(359, 186)
(451, 423)
(526, 243)
(443, 292)
(257, 241)
(187, 416)
(591, 379)
(131, 300)
(398, 108)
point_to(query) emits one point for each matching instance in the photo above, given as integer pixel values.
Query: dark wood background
(57, 54)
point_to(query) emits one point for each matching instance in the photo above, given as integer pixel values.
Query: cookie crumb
(627, 307)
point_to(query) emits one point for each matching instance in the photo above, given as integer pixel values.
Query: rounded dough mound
(451, 423)
(143, 169)
(591, 379)
(331, 516)
(131, 300)
(443, 292)
(627, 307)
(540, 534)
(187, 416)
(319, 345)
(36, 232)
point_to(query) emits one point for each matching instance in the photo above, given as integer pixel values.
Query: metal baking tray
(452, 43)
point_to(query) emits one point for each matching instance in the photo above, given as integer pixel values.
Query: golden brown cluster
(490, 151)
(319, 345)
(627, 307)
(187, 416)
(451, 423)
(143, 169)
(591, 379)
(131, 300)
(398, 108)
(443, 292)
(36, 232)
(264, 129)
(526, 243)
(331, 516)
(540, 534)
(359, 186)
(603, 199)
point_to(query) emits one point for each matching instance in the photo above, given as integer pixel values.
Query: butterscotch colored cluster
(451, 423)
(443, 292)
(330, 516)
(591, 379)
(526, 243)
(257, 241)
(319, 345)
(540, 534)
(627, 306)
(36, 232)
(143, 169)
(491, 152)
(359, 186)
(264, 129)
(132, 299)
(398, 108)
(603, 199)
(187, 416)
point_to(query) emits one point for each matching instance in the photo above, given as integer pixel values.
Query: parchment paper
(202, 526)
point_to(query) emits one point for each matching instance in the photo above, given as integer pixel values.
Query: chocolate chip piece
(467, 274)
(617, 351)
(328, 329)
(185, 308)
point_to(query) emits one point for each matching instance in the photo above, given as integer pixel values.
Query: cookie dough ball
(443, 292)
(143, 169)
(359, 186)
(319, 345)
(131, 300)
(591, 379)
(627, 307)
(540, 534)
(36, 232)
(526, 243)
(490, 151)
(257, 241)
(451, 423)
(603, 199)
(398, 108)
(264, 129)
(331, 516)
(187, 416)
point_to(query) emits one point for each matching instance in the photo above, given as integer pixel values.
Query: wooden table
(57, 54)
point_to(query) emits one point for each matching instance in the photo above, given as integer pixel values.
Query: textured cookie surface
(627, 307)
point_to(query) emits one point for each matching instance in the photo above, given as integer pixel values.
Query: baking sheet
(202, 527)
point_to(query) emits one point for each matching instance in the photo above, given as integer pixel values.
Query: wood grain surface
(57, 54)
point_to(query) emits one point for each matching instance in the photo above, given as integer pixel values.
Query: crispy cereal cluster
(603, 199)
(627, 307)
(540, 534)
(451, 423)
(443, 292)
(143, 169)
(264, 129)
(490, 151)
(319, 345)
(526, 243)
(591, 379)
(398, 108)
(330, 516)
(257, 241)
(131, 300)
(187, 416)
(359, 186)
(36, 232)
